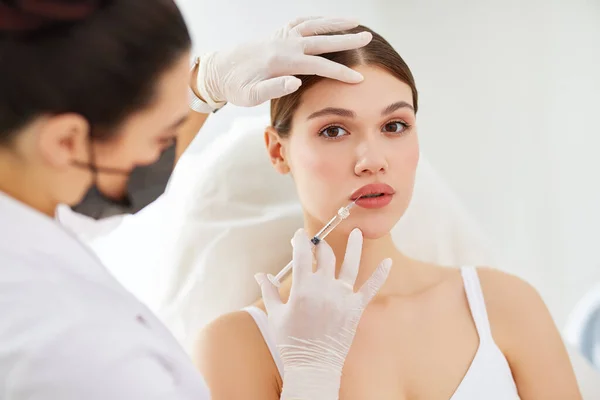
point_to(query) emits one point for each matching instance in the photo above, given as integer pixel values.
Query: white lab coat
(70, 331)
(133, 247)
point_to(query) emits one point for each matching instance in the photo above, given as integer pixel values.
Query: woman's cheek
(318, 176)
(411, 150)
(318, 167)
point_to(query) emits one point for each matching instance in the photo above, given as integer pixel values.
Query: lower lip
(374, 202)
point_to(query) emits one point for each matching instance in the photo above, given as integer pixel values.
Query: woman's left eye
(395, 127)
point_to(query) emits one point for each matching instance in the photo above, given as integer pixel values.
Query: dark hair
(97, 58)
(378, 52)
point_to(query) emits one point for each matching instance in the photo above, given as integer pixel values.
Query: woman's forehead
(379, 90)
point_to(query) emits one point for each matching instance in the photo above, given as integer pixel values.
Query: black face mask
(145, 184)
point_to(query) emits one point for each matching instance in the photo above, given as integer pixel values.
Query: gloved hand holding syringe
(341, 215)
(314, 329)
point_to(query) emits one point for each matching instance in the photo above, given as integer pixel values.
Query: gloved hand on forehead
(315, 328)
(257, 72)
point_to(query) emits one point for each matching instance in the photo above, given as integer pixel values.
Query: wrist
(194, 79)
(311, 384)
(199, 101)
(207, 82)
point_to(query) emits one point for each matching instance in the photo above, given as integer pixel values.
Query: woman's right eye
(333, 132)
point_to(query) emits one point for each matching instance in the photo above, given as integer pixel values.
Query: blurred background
(509, 98)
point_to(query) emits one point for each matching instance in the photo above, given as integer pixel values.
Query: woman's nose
(371, 158)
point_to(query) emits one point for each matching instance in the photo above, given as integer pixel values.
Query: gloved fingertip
(356, 231)
(355, 238)
(300, 233)
(296, 234)
(367, 36)
(292, 84)
(387, 264)
(353, 76)
(300, 239)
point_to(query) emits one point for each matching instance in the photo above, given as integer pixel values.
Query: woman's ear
(275, 148)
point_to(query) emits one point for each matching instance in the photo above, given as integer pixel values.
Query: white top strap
(476, 302)
(262, 321)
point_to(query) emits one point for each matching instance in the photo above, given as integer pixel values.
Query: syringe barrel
(341, 215)
(331, 225)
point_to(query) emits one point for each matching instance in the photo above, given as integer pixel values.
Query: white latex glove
(315, 328)
(254, 73)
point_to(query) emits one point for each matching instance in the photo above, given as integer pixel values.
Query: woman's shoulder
(514, 306)
(232, 347)
(503, 291)
(235, 332)
(512, 303)
(526, 333)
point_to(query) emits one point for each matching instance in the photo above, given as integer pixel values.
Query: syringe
(341, 215)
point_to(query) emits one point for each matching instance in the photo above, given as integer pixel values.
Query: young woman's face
(346, 137)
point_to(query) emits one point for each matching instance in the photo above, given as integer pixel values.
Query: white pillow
(236, 217)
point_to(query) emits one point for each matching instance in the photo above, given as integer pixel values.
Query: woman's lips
(374, 195)
(375, 202)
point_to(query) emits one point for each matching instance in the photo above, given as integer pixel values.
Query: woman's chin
(376, 224)
(373, 233)
(372, 230)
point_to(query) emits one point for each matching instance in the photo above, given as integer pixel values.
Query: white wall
(576, 142)
(509, 95)
(216, 24)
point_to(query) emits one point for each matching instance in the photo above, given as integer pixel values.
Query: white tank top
(489, 376)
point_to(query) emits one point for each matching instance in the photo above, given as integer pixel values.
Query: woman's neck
(374, 251)
(407, 276)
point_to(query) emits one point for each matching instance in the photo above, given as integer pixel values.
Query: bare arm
(525, 331)
(235, 361)
(188, 131)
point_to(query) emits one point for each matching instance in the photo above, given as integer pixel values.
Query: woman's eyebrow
(396, 106)
(342, 112)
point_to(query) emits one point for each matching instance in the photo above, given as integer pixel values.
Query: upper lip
(373, 188)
